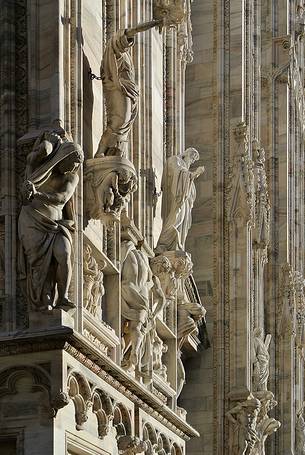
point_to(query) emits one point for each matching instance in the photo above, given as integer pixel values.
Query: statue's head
(52, 137)
(73, 159)
(252, 404)
(190, 155)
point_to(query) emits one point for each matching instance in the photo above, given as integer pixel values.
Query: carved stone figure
(179, 194)
(109, 182)
(137, 281)
(93, 283)
(163, 269)
(244, 418)
(46, 221)
(59, 401)
(159, 348)
(300, 432)
(129, 445)
(265, 425)
(260, 359)
(120, 90)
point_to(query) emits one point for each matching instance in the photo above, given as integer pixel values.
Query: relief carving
(179, 194)
(93, 284)
(46, 221)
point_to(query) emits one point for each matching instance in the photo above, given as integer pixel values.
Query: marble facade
(152, 299)
(244, 112)
(95, 321)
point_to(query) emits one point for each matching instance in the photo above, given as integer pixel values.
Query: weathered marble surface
(46, 220)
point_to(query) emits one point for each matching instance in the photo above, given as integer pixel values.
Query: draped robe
(179, 194)
(37, 234)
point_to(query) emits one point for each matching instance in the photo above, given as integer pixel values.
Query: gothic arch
(150, 437)
(10, 377)
(103, 408)
(122, 420)
(176, 450)
(80, 392)
(163, 445)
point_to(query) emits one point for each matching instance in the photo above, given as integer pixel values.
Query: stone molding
(77, 346)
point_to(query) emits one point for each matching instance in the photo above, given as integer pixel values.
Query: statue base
(50, 319)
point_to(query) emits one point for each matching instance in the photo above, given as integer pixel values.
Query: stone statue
(189, 313)
(244, 418)
(163, 269)
(158, 348)
(93, 284)
(137, 281)
(265, 425)
(300, 432)
(109, 182)
(260, 360)
(120, 90)
(46, 221)
(179, 194)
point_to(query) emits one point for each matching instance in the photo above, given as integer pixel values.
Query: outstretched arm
(131, 32)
